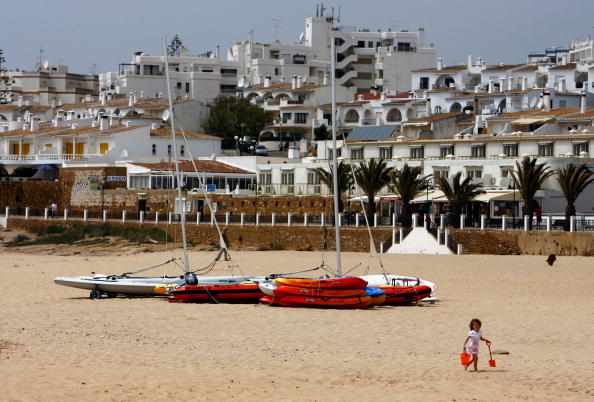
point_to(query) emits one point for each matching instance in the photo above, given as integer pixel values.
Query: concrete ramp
(419, 241)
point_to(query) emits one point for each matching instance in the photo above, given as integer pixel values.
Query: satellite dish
(123, 153)
(165, 115)
(301, 37)
(46, 64)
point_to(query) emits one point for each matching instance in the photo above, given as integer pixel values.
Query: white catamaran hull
(396, 280)
(138, 286)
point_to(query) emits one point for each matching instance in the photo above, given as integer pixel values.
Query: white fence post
(548, 219)
(381, 247)
(258, 219)
(227, 217)
(170, 217)
(6, 212)
(141, 217)
(375, 219)
(357, 219)
(572, 223)
(401, 235)
(212, 218)
(459, 249)
(526, 217)
(483, 221)
(242, 218)
(503, 222)
(85, 215)
(393, 220)
(438, 236)
(45, 213)
(323, 219)
(304, 219)
(446, 236)
(198, 216)
(104, 215)
(26, 212)
(123, 216)
(65, 214)
(393, 236)
(339, 220)
(289, 216)
(414, 221)
(442, 221)
(156, 217)
(273, 219)
(462, 217)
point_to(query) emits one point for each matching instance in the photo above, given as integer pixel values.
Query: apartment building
(50, 85)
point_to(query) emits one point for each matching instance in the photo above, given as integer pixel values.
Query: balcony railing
(46, 157)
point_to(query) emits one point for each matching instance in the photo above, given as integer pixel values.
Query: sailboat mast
(334, 161)
(178, 175)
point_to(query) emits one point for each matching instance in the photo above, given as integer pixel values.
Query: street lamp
(512, 186)
(236, 145)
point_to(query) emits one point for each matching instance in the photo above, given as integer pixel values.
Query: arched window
(394, 115)
(352, 116)
(456, 108)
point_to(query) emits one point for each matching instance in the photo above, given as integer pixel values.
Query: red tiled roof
(166, 132)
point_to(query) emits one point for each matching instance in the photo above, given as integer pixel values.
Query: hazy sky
(107, 32)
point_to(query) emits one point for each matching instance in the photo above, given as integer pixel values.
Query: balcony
(45, 158)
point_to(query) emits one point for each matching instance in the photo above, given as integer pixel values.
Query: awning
(390, 198)
(363, 198)
(530, 120)
(498, 196)
(432, 196)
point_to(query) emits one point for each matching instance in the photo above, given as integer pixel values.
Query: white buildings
(364, 58)
(51, 85)
(99, 143)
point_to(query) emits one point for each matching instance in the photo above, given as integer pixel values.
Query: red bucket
(465, 359)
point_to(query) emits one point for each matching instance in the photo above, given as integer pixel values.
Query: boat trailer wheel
(95, 294)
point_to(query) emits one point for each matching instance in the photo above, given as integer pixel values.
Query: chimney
(501, 84)
(294, 82)
(34, 124)
(469, 63)
(55, 122)
(74, 126)
(25, 127)
(510, 83)
(102, 98)
(267, 81)
(103, 123)
(127, 123)
(217, 52)
(360, 97)
(155, 126)
(546, 100)
(282, 78)
(475, 106)
(439, 63)
(111, 122)
(491, 86)
(524, 83)
(421, 37)
(325, 78)
(583, 103)
(94, 123)
(20, 101)
(131, 99)
(428, 107)
(299, 81)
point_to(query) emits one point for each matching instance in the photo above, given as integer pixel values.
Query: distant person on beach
(473, 339)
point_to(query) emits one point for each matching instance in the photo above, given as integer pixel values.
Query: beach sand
(58, 345)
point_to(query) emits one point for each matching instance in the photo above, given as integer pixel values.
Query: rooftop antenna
(276, 27)
(338, 18)
(322, 9)
(40, 60)
(93, 69)
(317, 11)
(332, 18)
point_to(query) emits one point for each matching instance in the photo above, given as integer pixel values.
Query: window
(545, 149)
(328, 118)
(369, 44)
(228, 72)
(154, 149)
(299, 59)
(579, 147)
(510, 149)
(207, 69)
(265, 185)
(438, 173)
(169, 149)
(446, 150)
(378, 44)
(478, 150)
(360, 43)
(287, 182)
(150, 69)
(179, 85)
(313, 181)
(417, 152)
(404, 46)
(385, 152)
(187, 87)
(474, 172)
(506, 171)
(286, 117)
(338, 153)
(182, 150)
(301, 118)
(357, 153)
(424, 83)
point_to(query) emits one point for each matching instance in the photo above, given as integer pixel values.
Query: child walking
(473, 339)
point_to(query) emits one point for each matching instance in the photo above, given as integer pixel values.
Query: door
(142, 205)
(103, 148)
(26, 148)
(69, 148)
(16, 149)
(80, 148)
(200, 208)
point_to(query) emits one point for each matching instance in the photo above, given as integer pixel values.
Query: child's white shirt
(475, 338)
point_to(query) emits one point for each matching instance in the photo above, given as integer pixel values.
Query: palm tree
(407, 183)
(529, 178)
(573, 181)
(459, 193)
(345, 180)
(371, 177)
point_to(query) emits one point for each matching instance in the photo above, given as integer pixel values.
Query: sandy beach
(58, 345)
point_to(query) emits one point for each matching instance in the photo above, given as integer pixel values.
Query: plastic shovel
(491, 361)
